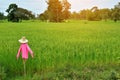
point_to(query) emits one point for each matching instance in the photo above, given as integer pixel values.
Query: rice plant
(56, 45)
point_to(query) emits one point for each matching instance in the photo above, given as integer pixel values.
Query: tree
(2, 16)
(11, 9)
(84, 14)
(75, 15)
(43, 16)
(116, 12)
(16, 14)
(65, 11)
(105, 14)
(58, 10)
(54, 10)
(24, 14)
(94, 14)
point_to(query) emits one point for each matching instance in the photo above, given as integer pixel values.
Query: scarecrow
(24, 49)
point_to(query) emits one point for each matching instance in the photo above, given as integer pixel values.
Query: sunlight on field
(76, 43)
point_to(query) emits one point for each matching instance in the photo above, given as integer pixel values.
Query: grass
(75, 50)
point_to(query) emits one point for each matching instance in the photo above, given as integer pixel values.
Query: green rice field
(75, 50)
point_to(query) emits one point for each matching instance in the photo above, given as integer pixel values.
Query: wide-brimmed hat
(23, 40)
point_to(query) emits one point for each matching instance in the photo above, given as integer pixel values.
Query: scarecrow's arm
(31, 52)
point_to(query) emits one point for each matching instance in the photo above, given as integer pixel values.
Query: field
(76, 50)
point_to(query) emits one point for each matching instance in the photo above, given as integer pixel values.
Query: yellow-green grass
(55, 45)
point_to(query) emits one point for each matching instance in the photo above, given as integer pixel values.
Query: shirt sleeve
(31, 52)
(18, 54)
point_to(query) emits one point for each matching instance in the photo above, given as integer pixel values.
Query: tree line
(58, 11)
(95, 14)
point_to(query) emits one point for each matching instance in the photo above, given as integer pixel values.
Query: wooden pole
(24, 67)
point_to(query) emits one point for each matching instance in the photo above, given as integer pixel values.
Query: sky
(39, 6)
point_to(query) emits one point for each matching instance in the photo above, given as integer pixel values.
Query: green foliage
(95, 14)
(57, 11)
(54, 11)
(105, 14)
(43, 16)
(88, 49)
(76, 16)
(16, 14)
(2, 16)
(2, 73)
(24, 14)
(116, 14)
(113, 76)
(65, 11)
(11, 9)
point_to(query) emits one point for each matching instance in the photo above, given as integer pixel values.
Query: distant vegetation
(58, 11)
(96, 14)
(16, 14)
(2, 17)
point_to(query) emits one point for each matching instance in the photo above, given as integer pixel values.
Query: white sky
(39, 6)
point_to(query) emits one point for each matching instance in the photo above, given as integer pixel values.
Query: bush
(2, 73)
